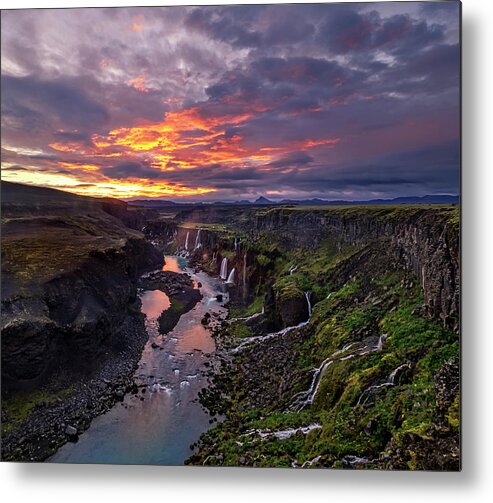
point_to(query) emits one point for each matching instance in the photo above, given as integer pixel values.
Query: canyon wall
(424, 241)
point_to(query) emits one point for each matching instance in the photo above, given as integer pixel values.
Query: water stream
(157, 425)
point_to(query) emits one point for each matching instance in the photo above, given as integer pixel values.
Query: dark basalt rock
(71, 315)
(421, 241)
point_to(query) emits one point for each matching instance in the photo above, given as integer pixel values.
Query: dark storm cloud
(239, 25)
(430, 170)
(131, 169)
(322, 99)
(293, 159)
(78, 136)
(29, 98)
(348, 31)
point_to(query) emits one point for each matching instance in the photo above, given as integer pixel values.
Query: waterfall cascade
(305, 398)
(231, 277)
(186, 240)
(308, 296)
(244, 274)
(262, 338)
(293, 269)
(365, 396)
(198, 244)
(224, 269)
(236, 244)
(283, 434)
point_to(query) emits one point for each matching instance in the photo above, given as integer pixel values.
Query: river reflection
(174, 263)
(157, 425)
(154, 302)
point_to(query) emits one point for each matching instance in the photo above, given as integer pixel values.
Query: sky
(334, 101)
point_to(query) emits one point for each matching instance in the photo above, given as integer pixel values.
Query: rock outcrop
(69, 272)
(422, 240)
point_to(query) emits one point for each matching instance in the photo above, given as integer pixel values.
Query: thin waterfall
(308, 296)
(305, 398)
(372, 390)
(283, 434)
(186, 240)
(231, 277)
(236, 244)
(214, 258)
(394, 372)
(248, 318)
(244, 273)
(261, 338)
(198, 244)
(293, 269)
(224, 269)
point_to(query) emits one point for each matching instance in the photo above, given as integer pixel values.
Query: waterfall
(236, 244)
(231, 277)
(392, 375)
(283, 434)
(214, 258)
(244, 273)
(224, 269)
(198, 244)
(301, 400)
(186, 240)
(365, 396)
(293, 269)
(308, 296)
(380, 342)
(248, 318)
(261, 338)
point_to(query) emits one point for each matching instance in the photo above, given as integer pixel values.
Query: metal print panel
(230, 235)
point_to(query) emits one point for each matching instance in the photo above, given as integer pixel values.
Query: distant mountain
(445, 199)
(152, 203)
(263, 201)
(441, 199)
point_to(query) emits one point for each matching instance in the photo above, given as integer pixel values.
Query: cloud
(29, 97)
(215, 102)
(347, 31)
(131, 169)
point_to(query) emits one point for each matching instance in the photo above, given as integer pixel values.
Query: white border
(85, 483)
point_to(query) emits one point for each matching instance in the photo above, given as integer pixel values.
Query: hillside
(365, 374)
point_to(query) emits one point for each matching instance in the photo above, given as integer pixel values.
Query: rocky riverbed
(72, 401)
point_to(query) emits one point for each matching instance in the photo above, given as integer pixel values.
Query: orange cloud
(185, 139)
(317, 143)
(137, 24)
(139, 84)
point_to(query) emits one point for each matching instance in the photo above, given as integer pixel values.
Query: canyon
(340, 349)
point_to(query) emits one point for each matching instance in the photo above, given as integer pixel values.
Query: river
(157, 425)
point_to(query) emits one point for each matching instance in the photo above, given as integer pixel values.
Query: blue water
(157, 426)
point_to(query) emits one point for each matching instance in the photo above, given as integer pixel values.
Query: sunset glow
(225, 103)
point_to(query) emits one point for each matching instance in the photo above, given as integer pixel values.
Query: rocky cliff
(69, 270)
(370, 378)
(422, 240)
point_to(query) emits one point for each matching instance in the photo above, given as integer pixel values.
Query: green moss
(263, 260)
(240, 330)
(374, 301)
(453, 415)
(18, 408)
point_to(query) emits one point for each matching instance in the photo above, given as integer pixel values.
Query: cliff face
(69, 271)
(424, 241)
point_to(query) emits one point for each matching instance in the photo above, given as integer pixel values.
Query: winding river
(157, 425)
